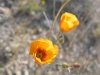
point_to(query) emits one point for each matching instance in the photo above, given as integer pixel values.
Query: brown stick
(57, 17)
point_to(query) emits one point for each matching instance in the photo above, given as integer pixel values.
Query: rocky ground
(19, 27)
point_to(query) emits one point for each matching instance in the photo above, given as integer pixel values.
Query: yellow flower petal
(64, 26)
(43, 51)
(56, 51)
(70, 25)
(74, 20)
(68, 22)
(33, 47)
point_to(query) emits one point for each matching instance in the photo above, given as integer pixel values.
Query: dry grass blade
(77, 32)
(83, 33)
(46, 18)
(83, 61)
(54, 4)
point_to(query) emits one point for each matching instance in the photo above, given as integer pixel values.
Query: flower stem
(57, 16)
(36, 71)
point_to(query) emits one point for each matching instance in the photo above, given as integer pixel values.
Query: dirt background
(23, 21)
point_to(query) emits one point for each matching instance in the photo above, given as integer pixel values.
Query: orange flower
(43, 51)
(68, 22)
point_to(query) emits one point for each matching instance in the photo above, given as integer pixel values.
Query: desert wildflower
(68, 22)
(43, 2)
(36, 5)
(43, 51)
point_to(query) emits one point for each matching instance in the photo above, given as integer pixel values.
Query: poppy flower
(43, 51)
(68, 22)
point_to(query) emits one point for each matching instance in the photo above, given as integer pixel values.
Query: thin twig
(83, 61)
(84, 31)
(46, 18)
(57, 17)
(54, 4)
(74, 37)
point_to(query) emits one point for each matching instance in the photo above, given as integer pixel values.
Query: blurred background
(23, 21)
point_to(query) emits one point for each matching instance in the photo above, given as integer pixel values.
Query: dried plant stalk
(57, 17)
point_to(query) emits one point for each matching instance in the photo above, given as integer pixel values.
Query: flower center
(39, 55)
